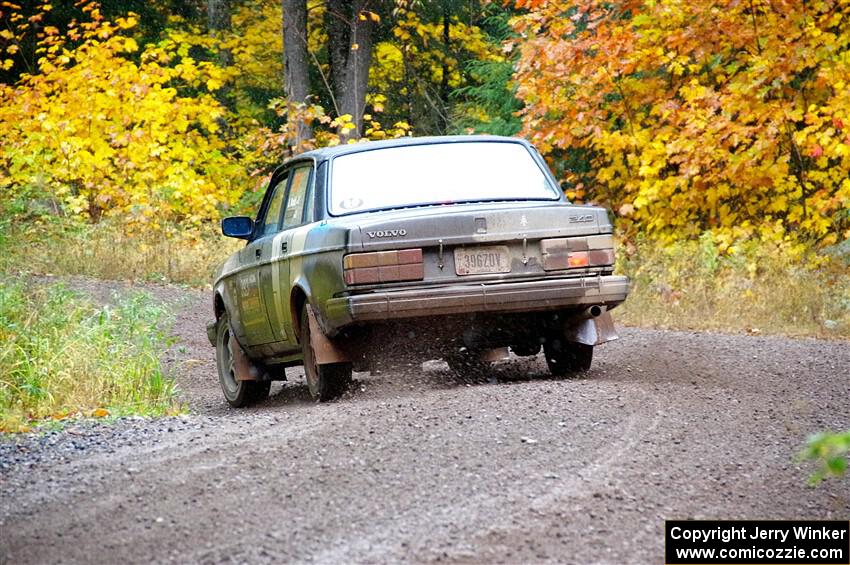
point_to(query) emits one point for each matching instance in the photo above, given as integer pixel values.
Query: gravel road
(410, 466)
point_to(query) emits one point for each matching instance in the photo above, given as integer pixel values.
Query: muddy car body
(446, 246)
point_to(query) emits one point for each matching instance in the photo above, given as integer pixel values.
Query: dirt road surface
(410, 466)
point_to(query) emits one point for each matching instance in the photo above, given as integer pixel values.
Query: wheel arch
(218, 305)
(297, 300)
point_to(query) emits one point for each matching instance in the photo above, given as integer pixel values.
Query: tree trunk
(296, 68)
(218, 22)
(444, 82)
(350, 46)
(218, 15)
(408, 87)
(337, 16)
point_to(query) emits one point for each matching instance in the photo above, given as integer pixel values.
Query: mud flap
(212, 332)
(325, 350)
(242, 366)
(592, 331)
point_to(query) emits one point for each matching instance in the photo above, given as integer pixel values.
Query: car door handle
(258, 253)
(283, 246)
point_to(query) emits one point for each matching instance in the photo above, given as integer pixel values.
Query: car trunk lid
(475, 224)
(496, 242)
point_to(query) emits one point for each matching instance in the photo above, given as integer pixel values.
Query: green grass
(754, 288)
(62, 355)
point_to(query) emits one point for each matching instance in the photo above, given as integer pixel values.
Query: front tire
(237, 393)
(566, 357)
(325, 382)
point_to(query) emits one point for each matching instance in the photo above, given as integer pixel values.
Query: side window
(298, 193)
(271, 222)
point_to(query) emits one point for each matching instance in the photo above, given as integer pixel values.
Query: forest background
(717, 132)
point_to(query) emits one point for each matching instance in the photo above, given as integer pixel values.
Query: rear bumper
(529, 296)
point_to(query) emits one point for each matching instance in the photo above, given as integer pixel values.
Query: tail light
(384, 266)
(577, 252)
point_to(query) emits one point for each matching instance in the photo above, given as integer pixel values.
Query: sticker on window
(351, 204)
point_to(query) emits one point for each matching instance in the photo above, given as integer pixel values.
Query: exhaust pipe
(589, 313)
(594, 311)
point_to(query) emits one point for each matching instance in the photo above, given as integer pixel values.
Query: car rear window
(440, 173)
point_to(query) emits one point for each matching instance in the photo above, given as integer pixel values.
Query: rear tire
(325, 382)
(565, 357)
(237, 393)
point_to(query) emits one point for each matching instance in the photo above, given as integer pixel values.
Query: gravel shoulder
(410, 466)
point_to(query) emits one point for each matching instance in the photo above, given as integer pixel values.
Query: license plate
(482, 260)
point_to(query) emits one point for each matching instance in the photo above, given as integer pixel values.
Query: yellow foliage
(266, 148)
(256, 47)
(107, 135)
(421, 46)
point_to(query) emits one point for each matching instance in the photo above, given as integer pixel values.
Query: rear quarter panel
(316, 264)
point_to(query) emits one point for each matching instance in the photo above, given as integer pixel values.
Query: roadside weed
(754, 287)
(62, 355)
(108, 251)
(830, 451)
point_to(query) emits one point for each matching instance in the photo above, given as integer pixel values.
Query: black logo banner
(745, 542)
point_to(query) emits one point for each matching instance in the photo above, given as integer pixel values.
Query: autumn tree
(107, 116)
(403, 57)
(421, 69)
(704, 115)
(105, 127)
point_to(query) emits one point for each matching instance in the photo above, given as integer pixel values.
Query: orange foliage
(728, 115)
